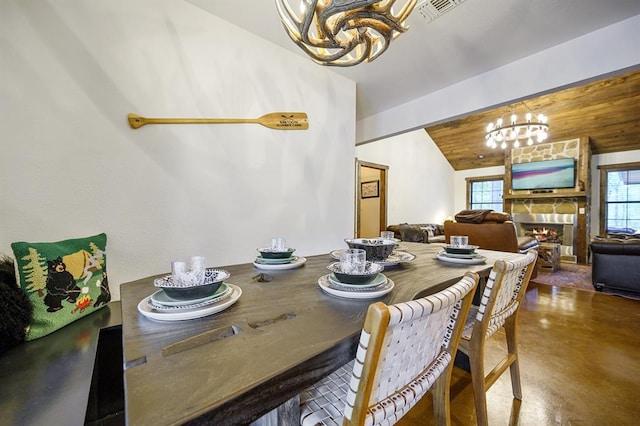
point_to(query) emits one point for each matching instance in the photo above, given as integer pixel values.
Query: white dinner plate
(186, 314)
(351, 293)
(267, 261)
(442, 256)
(298, 262)
(396, 257)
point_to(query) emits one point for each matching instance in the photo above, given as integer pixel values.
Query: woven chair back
(403, 350)
(504, 291)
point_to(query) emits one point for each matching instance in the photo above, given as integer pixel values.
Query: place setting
(355, 277)
(460, 251)
(190, 291)
(383, 250)
(278, 256)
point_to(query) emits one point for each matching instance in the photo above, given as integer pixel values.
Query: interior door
(371, 199)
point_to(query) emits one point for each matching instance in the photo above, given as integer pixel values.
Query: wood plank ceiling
(607, 111)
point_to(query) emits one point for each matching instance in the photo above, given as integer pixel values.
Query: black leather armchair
(616, 264)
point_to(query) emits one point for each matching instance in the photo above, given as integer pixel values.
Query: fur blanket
(15, 307)
(479, 216)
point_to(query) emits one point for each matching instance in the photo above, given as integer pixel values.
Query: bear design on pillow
(60, 285)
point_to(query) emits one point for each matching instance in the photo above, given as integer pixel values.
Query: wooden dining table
(283, 334)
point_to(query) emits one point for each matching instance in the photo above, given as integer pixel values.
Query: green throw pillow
(65, 280)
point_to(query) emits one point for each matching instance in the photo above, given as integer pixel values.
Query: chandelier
(501, 133)
(344, 32)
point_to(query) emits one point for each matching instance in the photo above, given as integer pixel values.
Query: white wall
(71, 166)
(420, 179)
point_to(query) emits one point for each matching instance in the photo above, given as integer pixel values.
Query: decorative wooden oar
(274, 120)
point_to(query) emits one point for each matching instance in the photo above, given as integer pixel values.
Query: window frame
(471, 180)
(604, 172)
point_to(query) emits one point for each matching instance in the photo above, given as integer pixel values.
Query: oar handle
(137, 121)
(198, 120)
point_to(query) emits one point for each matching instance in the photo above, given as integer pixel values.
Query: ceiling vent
(432, 9)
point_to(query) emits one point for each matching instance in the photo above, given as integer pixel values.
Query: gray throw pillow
(412, 234)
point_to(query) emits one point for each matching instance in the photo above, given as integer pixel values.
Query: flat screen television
(548, 174)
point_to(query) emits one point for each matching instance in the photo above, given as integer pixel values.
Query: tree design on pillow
(35, 272)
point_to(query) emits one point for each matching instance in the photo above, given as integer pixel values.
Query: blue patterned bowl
(213, 279)
(269, 253)
(370, 271)
(377, 249)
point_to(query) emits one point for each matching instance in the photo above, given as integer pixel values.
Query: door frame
(384, 171)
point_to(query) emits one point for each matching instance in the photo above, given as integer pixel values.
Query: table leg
(287, 414)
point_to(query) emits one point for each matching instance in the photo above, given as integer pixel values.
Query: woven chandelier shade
(344, 32)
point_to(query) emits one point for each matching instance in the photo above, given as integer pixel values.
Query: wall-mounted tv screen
(548, 174)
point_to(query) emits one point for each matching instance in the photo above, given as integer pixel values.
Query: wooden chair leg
(442, 398)
(512, 347)
(476, 362)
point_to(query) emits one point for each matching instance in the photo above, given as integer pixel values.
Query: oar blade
(136, 121)
(285, 120)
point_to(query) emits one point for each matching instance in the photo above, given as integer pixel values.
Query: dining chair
(501, 299)
(405, 349)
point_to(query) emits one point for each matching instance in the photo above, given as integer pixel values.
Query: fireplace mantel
(573, 194)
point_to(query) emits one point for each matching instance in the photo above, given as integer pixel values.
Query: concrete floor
(579, 363)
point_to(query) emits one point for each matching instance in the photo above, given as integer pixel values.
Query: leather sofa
(491, 231)
(616, 265)
(491, 236)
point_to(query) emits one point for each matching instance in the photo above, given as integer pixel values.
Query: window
(485, 193)
(620, 199)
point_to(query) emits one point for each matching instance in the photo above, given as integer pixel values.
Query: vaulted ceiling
(607, 111)
(470, 39)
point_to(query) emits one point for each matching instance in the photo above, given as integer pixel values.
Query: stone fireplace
(557, 215)
(550, 228)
